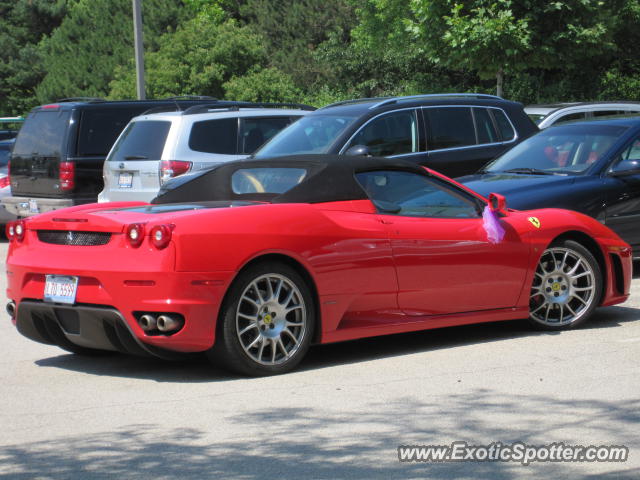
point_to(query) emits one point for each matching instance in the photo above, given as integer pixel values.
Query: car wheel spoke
(280, 323)
(562, 295)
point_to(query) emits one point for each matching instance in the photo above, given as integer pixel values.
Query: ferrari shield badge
(534, 221)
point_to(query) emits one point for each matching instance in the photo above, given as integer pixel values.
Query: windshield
(310, 134)
(565, 149)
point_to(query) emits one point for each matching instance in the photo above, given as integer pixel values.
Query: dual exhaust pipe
(11, 309)
(164, 323)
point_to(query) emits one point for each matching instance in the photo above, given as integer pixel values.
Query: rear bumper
(109, 304)
(88, 326)
(22, 206)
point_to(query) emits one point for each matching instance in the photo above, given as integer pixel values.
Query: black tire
(567, 287)
(264, 322)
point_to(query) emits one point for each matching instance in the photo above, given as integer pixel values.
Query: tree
(197, 59)
(94, 39)
(23, 23)
(265, 85)
(491, 37)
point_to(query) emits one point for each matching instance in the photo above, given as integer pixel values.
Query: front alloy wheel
(566, 287)
(266, 322)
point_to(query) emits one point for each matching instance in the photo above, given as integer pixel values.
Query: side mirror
(626, 168)
(358, 151)
(497, 203)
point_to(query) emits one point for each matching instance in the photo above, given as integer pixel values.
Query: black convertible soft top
(329, 178)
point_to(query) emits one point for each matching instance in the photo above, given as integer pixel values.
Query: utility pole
(139, 49)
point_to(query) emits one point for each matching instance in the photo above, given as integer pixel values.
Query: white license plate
(125, 180)
(60, 289)
(33, 206)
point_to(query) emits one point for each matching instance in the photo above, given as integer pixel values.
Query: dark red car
(255, 260)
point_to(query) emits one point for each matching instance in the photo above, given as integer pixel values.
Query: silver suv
(546, 115)
(157, 146)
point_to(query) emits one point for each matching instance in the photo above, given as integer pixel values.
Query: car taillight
(67, 176)
(135, 234)
(173, 168)
(4, 182)
(15, 230)
(161, 236)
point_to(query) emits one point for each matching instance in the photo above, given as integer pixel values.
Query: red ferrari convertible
(255, 260)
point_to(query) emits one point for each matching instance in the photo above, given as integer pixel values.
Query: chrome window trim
(388, 112)
(504, 142)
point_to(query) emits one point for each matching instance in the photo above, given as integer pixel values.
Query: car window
(4, 156)
(571, 117)
(141, 141)
(562, 149)
(504, 125)
(412, 195)
(266, 180)
(449, 127)
(43, 133)
(99, 129)
(256, 131)
(484, 126)
(394, 133)
(536, 117)
(311, 134)
(215, 136)
(632, 152)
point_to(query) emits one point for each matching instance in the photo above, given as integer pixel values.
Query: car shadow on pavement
(197, 369)
(356, 441)
(430, 340)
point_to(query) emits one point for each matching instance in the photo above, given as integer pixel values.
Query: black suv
(60, 150)
(455, 134)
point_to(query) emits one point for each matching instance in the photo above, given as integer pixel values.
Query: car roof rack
(80, 99)
(162, 109)
(355, 101)
(433, 96)
(233, 105)
(381, 101)
(191, 97)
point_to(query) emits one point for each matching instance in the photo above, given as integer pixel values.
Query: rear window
(43, 133)
(266, 180)
(449, 127)
(215, 136)
(99, 129)
(142, 140)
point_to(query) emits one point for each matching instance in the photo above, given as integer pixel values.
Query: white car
(155, 147)
(546, 115)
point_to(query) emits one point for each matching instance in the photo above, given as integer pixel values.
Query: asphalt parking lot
(341, 415)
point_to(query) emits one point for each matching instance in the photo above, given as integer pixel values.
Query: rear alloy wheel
(267, 321)
(566, 287)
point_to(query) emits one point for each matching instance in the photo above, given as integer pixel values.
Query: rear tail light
(161, 236)
(67, 176)
(4, 182)
(135, 234)
(173, 168)
(15, 230)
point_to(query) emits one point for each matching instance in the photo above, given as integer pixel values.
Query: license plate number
(33, 206)
(60, 289)
(125, 180)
